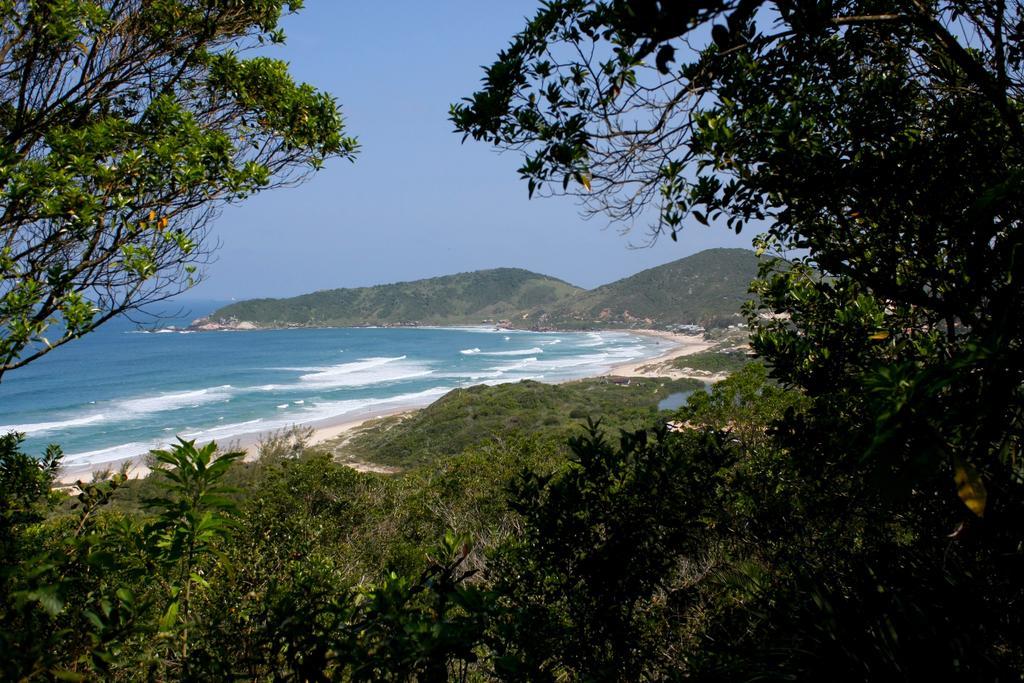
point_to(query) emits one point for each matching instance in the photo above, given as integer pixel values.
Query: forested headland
(707, 288)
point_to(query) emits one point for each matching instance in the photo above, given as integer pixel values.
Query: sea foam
(595, 338)
(325, 410)
(318, 411)
(104, 455)
(518, 352)
(366, 372)
(173, 401)
(118, 410)
(37, 428)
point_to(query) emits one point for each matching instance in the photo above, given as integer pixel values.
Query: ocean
(121, 390)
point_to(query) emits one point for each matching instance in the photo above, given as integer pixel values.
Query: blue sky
(417, 202)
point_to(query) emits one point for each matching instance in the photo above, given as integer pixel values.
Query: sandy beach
(323, 431)
(676, 345)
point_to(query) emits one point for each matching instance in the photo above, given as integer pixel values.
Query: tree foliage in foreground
(178, 592)
(708, 554)
(124, 127)
(883, 139)
(882, 142)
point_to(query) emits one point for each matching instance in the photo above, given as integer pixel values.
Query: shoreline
(323, 430)
(331, 428)
(683, 345)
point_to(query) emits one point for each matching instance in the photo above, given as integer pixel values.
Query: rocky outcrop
(210, 325)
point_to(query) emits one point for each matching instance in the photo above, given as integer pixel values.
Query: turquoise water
(120, 391)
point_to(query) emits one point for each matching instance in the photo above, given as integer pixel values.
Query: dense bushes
(711, 553)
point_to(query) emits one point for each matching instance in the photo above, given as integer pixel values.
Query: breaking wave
(520, 352)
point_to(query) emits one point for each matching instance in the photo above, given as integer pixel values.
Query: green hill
(496, 294)
(704, 288)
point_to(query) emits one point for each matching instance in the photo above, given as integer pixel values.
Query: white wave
(282, 406)
(366, 372)
(511, 379)
(225, 431)
(510, 367)
(356, 408)
(596, 339)
(37, 428)
(104, 455)
(299, 402)
(482, 329)
(601, 361)
(551, 342)
(519, 352)
(129, 407)
(469, 352)
(332, 409)
(590, 360)
(173, 401)
(469, 375)
(626, 352)
(345, 368)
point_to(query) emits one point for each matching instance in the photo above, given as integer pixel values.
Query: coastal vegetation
(296, 566)
(707, 288)
(546, 413)
(712, 361)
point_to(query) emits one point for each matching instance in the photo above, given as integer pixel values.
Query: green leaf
(170, 618)
(48, 598)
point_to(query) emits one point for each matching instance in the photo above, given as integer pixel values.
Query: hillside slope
(699, 289)
(705, 288)
(453, 299)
